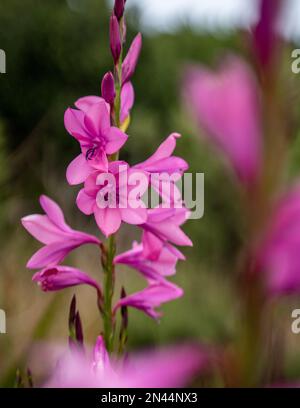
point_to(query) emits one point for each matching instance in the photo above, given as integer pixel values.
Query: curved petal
(54, 212)
(115, 140)
(86, 102)
(60, 277)
(42, 229)
(97, 119)
(151, 297)
(51, 254)
(74, 124)
(131, 59)
(135, 216)
(127, 100)
(85, 203)
(108, 220)
(78, 170)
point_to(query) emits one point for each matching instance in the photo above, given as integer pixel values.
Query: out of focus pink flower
(278, 255)
(151, 298)
(59, 277)
(265, 36)
(108, 195)
(90, 125)
(51, 229)
(131, 59)
(226, 106)
(164, 264)
(172, 367)
(163, 227)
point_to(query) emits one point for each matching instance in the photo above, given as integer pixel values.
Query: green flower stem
(109, 249)
(109, 278)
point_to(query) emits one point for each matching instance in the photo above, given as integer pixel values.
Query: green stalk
(109, 250)
(108, 294)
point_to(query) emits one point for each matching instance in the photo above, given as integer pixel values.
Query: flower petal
(86, 102)
(60, 277)
(127, 100)
(85, 202)
(74, 123)
(115, 140)
(78, 170)
(108, 220)
(97, 119)
(135, 216)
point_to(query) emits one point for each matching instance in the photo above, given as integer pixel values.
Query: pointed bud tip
(119, 8)
(108, 88)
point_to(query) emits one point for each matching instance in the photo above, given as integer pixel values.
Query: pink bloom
(163, 160)
(172, 367)
(265, 37)
(163, 226)
(152, 297)
(59, 277)
(114, 197)
(131, 59)
(226, 105)
(163, 265)
(51, 229)
(91, 127)
(165, 169)
(278, 255)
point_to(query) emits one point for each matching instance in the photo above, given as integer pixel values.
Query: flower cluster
(113, 192)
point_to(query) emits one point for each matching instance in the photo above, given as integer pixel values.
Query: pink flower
(172, 367)
(226, 105)
(163, 227)
(165, 170)
(163, 265)
(278, 254)
(51, 229)
(265, 36)
(131, 59)
(152, 297)
(114, 196)
(90, 125)
(58, 277)
(163, 160)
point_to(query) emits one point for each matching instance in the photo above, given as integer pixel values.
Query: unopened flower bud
(119, 8)
(115, 39)
(108, 88)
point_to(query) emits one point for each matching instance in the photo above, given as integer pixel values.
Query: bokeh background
(57, 51)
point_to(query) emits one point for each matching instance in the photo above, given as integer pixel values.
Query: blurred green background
(55, 55)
